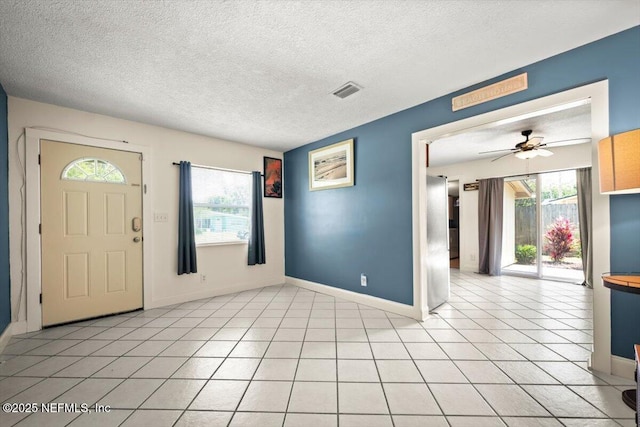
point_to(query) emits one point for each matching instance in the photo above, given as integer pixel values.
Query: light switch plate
(161, 217)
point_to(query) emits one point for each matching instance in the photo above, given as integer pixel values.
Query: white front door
(91, 216)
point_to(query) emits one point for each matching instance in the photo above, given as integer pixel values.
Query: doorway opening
(541, 228)
(33, 217)
(453, 189)
(597, 93)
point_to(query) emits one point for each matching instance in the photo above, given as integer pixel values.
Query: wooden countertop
(626, 283)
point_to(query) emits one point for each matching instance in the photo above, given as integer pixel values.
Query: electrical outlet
(203, 278)
(363, 280)
(160, 217)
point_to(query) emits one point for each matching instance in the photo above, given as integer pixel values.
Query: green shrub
(577, 248)
(525, 254)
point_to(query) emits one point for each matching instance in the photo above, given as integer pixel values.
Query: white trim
(419, 225)
(239, 242)
(32, 220)
(623, 367)
(18, 328)
(599, 94)
(6, 336)
(375, 302)
(13, 328)
(210, 293)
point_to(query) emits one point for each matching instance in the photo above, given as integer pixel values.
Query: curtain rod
(217, 169)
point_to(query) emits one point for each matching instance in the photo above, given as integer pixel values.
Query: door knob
(137, 239)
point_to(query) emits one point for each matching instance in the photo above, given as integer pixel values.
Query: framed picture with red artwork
(272, 177)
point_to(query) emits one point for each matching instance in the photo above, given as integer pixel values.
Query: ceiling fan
(532, 147)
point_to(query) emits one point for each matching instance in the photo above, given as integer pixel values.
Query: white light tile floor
(504, 351)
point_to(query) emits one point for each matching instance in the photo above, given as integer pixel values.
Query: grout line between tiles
(470, 297)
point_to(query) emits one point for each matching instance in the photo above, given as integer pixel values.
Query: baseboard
(468, 268)
(623, 367)
(13, 328)
(5, 337)
(21, 327)
(210, 293)
(371, 301)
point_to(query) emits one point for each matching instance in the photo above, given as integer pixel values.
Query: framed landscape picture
(272, 177)
(331, 166)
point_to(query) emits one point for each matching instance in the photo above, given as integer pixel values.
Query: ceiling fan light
(544, 153)
(536, 140)
(524, 155)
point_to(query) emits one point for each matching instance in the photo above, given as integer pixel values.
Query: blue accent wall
(5, 288)
(332, 236)
(625, 257)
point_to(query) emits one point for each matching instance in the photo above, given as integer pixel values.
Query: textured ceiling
(262, 73)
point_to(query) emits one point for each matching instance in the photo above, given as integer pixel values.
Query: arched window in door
(93, 170)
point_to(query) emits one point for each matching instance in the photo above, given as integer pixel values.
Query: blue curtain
(187, 262)
(256, 239)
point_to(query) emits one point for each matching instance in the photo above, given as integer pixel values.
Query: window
(93, 170)
(221, 201)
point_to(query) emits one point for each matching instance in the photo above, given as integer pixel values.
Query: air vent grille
(347, 89)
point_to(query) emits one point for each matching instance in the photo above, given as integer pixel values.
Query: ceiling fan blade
(544, 153)
(504, 155)
(498, 151)
(569, 141)
(535, 141)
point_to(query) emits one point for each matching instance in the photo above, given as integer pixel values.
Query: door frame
(33, 247)
(601, 359)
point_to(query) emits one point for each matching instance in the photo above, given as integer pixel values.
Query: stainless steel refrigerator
(437, 242)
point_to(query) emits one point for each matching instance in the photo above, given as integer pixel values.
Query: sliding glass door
(561, 257)
(520, 226)
(541, 230)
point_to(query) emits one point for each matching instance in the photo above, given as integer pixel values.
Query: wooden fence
(525, 220)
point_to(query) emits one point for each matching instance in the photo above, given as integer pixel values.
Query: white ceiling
(570, 123)
(262, 73)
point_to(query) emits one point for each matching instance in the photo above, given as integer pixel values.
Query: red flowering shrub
(559, 239)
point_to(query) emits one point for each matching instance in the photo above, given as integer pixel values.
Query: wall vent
(347, 89)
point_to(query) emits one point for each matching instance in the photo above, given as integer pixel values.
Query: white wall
(569, 157)
(225, 266)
